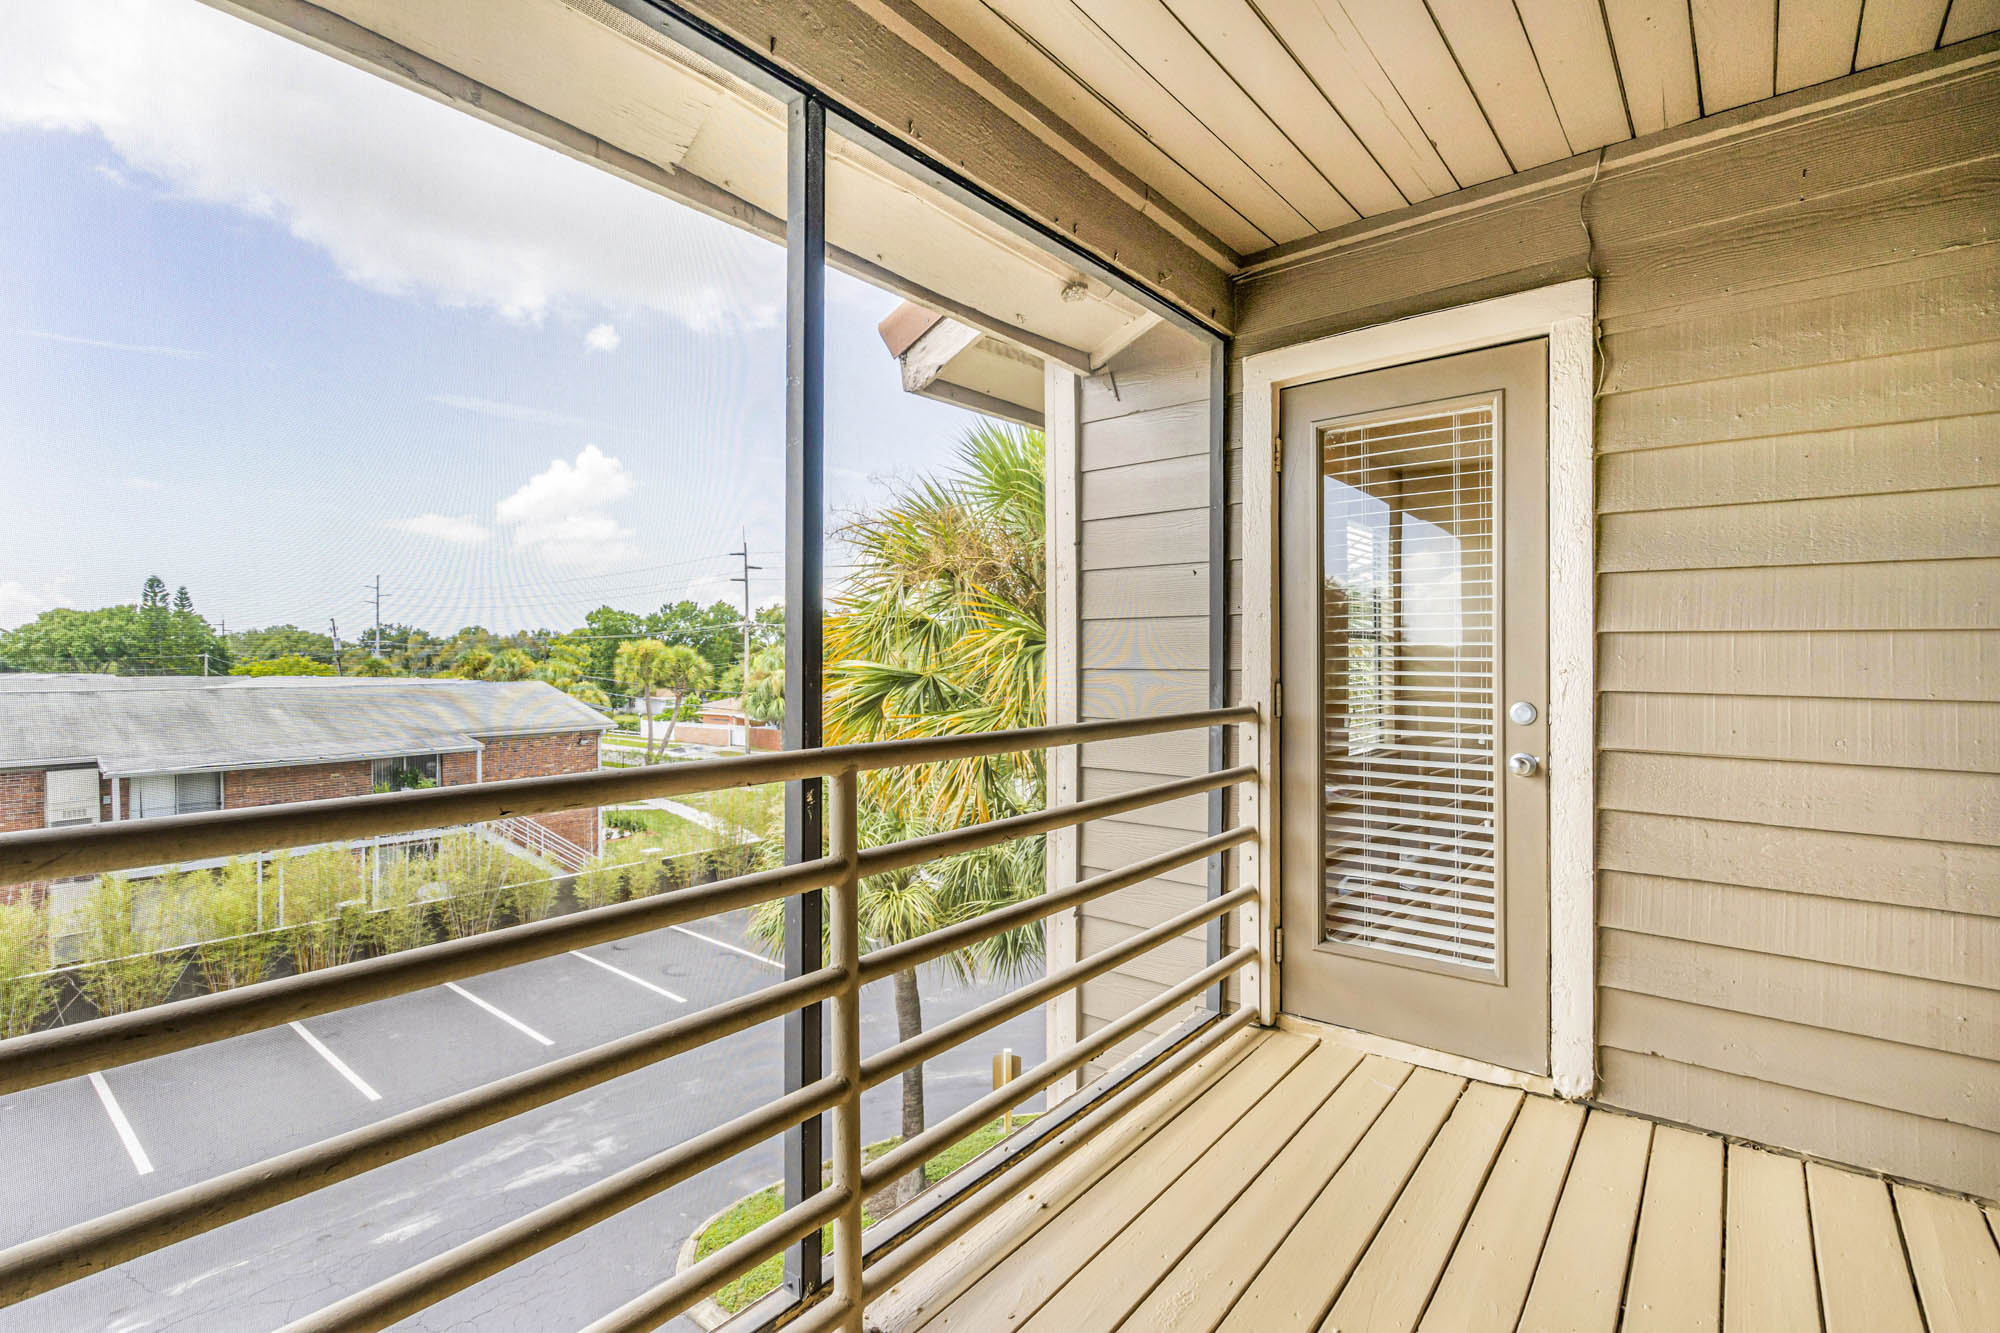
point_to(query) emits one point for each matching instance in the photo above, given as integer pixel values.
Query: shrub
(235, 948)
(323, 900)
(26, 992)
(131, 933)
(402, 918)
(475, 873)
(622, 871)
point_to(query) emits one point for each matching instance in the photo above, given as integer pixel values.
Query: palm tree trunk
(646, 720)
(910, 1024)
(673, 719)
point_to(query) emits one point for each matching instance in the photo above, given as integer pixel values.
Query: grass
(666, 822)
(747, 1214)
(750, 808)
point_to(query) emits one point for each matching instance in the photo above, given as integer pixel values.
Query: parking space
(195, 1113)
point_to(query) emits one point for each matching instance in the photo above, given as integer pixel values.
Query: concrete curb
(708, 1314)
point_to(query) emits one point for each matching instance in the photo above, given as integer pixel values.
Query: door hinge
(1277, 453)
(1278, 945)
(1277, 699)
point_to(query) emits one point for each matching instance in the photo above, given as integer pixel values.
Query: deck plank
(1122, 1274)
(1309, 1268)
(1768, 1282)
(1396, 1277)
(1953, 1253)
(1193, 1297)
(1676, 1281)
(1581, 1277)
(1486, 1283)
(1044, 1261)
(1864, 1282)
(987, 1244)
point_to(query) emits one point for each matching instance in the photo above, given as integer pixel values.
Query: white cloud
(19, 603)
(563, 512)
(403, 194)
(105, 344)
(460, 529)
(533, 416)
(136, 482)
(603, 338)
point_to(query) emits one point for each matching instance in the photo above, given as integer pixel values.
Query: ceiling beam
(928, 97)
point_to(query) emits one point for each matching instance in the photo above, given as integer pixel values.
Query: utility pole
(204, 663)
(378, 615)
(333, 628)
(743, 554)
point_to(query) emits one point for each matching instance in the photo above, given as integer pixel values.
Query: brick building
(78, 749)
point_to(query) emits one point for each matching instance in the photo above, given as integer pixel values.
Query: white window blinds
(1408, 760)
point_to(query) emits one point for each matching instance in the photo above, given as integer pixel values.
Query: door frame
(1565, 314)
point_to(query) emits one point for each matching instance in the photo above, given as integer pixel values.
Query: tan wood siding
(1143, 460)
(1798, 604)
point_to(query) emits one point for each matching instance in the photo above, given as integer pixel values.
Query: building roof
(130, 726)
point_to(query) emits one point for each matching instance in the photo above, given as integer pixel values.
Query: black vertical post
(1218, 626)
(805, 535)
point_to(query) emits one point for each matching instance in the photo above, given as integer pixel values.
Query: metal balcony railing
(49, 1261)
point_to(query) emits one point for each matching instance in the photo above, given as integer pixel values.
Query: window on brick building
(176, 794)
(406, 771)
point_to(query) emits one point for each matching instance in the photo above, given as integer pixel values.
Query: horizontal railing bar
(950, 842)
(885, 1065)
(47, 1262)
(47, 1056)
(429, 1282)
(677, 1294)
(56, 853)
(901, 957)
(900, 1262)
(947, 1132)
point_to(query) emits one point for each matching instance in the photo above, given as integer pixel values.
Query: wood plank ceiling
(1270, 120)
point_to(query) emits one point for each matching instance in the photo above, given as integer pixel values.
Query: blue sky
(270, 327)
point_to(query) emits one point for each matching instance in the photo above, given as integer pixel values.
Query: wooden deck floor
(1289, 1182)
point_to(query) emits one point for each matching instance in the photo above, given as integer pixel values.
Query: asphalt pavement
(73, 1150)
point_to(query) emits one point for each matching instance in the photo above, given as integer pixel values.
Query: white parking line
(140, 1162)
(498, 1013)
(637, 981)
(733, 948)
(339, 1065)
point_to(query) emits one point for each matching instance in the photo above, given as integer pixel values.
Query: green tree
(289, 665)
(714, 631)
(647, 665)
(941, 633)
(604, 631)
(764, 686)
(279, 641)
(123, 640)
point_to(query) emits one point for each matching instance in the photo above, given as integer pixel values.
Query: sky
(271, 327)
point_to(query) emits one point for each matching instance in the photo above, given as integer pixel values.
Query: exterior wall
(246, 787)
(23, 801)
(1798, 547)
(1141, 568)
(544, 756)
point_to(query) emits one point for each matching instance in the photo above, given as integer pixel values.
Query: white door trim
(1565, 314)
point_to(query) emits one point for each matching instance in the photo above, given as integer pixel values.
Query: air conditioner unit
(72, 796)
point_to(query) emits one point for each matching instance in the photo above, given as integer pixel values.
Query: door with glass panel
(1414, 668)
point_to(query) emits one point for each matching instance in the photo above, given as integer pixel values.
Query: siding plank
(1942, 807)
(1168, 486)
(1933, 1015)
(1573, 48)
(1654, 40)
(1839, 1131)
(1948, 877)
(1865, 1284)
(1163, 643)
(1925, 525)
(1676, 1281)
(1161, 592)
(1939, 946)
(1963, 737)
(1491, 46)
(1407, 45)
(1917, 594)
(1932, 1084)
(1815, 41)
(1768, 1281)
(1955, 665)
(1934, 382)
(1879, 320)
(1890, 31)
(1736, 51)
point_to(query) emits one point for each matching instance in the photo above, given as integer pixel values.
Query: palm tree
(682, 672)
(940, 632)
(646, 665)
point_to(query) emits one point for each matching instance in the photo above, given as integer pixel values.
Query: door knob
(1523, 765)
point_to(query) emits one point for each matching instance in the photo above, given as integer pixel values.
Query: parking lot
(73, 1150)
